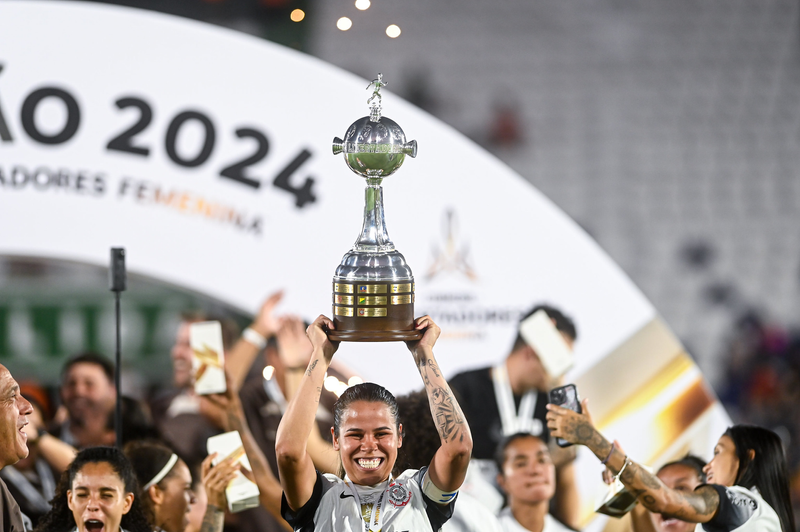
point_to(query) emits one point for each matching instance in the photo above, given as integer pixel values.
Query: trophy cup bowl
(373, 287)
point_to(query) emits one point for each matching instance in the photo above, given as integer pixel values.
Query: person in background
(197, 511)
(265, 401)
(184, 421)
(420, 443)
(268, 515)
(88, 396)
(681, 475)
(166, 490)
(14, 412)
(32, 480)
(528, 478)
(96, 493)
(748, 482)
(508, 398)
(165, 484)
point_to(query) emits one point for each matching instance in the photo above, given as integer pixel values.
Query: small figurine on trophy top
(374, 101)
(373, 287)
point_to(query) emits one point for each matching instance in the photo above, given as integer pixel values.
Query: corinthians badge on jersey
(399, 495)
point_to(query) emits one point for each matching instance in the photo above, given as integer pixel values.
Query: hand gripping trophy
(373, 287)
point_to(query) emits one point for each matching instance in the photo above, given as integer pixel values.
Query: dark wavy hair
(767, 470)
(695, 463)
(60, 518)
(148, 458)
(420, 437)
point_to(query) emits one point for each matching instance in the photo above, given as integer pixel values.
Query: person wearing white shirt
(528, 477)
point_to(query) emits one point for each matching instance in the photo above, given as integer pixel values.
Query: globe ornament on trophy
(373, 287)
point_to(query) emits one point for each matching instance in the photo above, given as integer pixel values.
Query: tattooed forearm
(311, 367)
(213, 519)
(446, 414)
(422, 365)
(434, 367)
(700, 505)
(694, 507)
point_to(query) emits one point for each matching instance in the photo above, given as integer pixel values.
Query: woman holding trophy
(367, 434)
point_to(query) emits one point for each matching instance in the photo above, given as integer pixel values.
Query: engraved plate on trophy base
(370, 317)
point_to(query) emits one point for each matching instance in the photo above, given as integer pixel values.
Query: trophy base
(373, 311)
(374, 336)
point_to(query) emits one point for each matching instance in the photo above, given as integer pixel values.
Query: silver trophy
(373, 287)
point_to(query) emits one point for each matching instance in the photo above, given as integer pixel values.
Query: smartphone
(566, 396)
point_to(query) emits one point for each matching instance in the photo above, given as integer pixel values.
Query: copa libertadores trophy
(373, 287)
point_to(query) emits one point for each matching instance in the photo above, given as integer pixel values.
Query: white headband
(163, 473)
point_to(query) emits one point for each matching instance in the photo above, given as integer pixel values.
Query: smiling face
(98, 499)
(87, 391)
(14, 410)
(172, 500)
(528, 475)
(368, 441)
(680, 478)
(723, 467)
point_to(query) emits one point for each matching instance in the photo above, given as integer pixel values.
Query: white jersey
(510, 524)
(471, 516)
(404, 507)
(741, 510)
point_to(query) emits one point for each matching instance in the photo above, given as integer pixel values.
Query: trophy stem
(373, 238)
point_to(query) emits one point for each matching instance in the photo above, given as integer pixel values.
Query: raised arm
(698, 506)
(57, 453)
(268, 486)
(294, 350)
(295, 466)
(241, 356)
(449, 465)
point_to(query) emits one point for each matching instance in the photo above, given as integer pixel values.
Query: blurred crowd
(762, 383)
(165, 435)
(518, 480)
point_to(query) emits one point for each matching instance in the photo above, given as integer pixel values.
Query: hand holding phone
(566, 396)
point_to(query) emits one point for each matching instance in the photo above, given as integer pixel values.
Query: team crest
(399, 495)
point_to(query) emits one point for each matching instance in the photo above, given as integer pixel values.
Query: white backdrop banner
(207, 155)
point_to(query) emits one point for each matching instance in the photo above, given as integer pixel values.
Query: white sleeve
(434, 493)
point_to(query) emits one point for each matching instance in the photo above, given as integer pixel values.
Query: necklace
(373, 522)
(513, 421)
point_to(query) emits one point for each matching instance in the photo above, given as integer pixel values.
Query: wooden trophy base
(373, 311)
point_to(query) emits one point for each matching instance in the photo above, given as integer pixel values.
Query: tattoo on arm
(446, 414)
(213, 519)
(311, 367)
(434, 367)
(698, 506)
